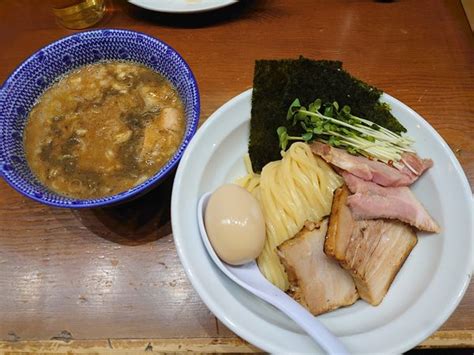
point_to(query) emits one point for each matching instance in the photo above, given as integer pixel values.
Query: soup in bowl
(96, 118)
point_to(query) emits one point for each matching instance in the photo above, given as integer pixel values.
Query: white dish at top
(182, 6)
(425, 292)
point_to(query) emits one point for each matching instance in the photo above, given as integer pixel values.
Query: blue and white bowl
(24, 86)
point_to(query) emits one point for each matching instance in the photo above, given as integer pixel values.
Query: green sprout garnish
(339, 128)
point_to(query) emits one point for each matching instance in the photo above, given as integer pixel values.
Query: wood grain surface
(114, 273)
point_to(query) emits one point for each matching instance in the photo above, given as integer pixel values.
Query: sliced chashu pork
(376, 253)
(373, 251)
(413, 165)
(371, 201)
(371, 170)
(317, 282)
(341, 225)
(156, 132)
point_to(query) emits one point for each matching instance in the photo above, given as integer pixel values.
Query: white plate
(182, 6)
(423, 295)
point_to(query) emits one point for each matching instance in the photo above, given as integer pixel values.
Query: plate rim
(243, 332)
(168, 10)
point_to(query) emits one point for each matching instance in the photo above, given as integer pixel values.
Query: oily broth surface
(103, 129)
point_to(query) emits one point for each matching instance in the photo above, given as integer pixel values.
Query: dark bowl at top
(24, 86)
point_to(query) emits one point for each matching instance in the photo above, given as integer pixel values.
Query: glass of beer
(78, 14)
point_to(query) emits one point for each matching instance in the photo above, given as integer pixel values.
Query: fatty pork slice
(318, 282)
(371, 201)
(371, 170)
(375, 254)
(413, 165)
(373, 251)
(156, 133)
(341, 225)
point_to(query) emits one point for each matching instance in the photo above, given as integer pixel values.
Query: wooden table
(110, 279)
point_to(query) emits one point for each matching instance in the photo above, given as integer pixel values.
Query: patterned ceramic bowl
(20, 91)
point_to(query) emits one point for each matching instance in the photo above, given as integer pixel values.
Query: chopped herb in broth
(103, 129)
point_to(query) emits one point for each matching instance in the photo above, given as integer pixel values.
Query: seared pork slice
(369, 170)
(375, 254)
(341, 225)
(414, 165)
(318, 282)
(371, 250)
(371, 201)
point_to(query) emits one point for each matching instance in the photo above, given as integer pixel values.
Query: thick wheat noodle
(268, 260)
(295, 202)
(312, 179)
(280, 193)
(279, 199)
(272, 208)
(307, 195)
(316, 180)
(297, 188)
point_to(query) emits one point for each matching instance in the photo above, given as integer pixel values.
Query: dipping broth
(103, 129)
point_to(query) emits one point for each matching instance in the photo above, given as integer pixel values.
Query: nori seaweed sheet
(278, 82)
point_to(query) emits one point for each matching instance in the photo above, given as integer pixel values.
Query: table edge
(440, 339)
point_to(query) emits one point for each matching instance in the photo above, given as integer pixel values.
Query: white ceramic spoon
(249, 277)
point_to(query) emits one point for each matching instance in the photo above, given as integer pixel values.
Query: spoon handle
(310, 324)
